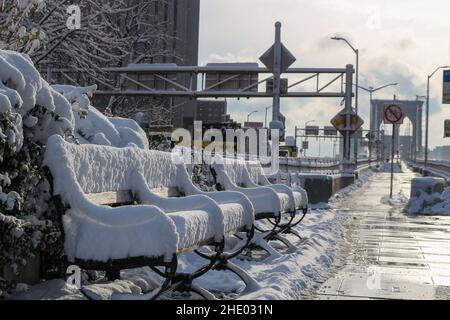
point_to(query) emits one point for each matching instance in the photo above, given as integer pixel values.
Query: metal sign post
(277, 73)
(393, 114)
(392, 160)
(277, 59)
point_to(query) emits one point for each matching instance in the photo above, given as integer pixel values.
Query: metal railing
(439, 168)
(329, 166)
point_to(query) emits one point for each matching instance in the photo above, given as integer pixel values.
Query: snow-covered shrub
(93, 127)
(201, 177)
(19, 30)
(30, 112)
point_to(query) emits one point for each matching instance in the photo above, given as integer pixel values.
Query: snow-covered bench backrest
(238, 170)
(100, 169)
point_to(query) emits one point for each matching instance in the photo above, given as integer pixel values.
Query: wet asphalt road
(388, 255)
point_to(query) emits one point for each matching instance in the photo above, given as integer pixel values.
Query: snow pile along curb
(429, 197)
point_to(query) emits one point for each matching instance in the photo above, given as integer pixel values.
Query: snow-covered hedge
(30, 112)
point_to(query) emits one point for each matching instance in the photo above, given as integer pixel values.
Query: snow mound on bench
(22, 89)
(102, 168)
(100, 233)
(92, 127)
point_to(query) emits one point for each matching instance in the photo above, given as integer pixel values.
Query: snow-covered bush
(30, 112)
(93, 127)
(19, 29)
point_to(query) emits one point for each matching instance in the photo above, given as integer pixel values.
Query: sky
(399, 41)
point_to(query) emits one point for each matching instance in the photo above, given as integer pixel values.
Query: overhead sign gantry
(169, 80)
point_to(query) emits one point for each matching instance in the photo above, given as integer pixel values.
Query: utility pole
(277, 73)
(356, 51)
(265, 119)
(348, 119)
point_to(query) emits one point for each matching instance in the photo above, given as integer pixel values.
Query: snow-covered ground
(286, 276)
(398, 167)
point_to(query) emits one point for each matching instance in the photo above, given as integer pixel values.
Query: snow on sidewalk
(286, 277)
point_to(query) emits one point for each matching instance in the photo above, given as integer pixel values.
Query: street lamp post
(265, 121)
(418, 145)
(306, 124)
(250, 114)
(428, 112)
(371, 90)
(356, 51)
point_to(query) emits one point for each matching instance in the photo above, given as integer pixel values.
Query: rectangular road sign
(446, 90)
(447, 129)
(312, 130)
(330, 131)
(305, 145)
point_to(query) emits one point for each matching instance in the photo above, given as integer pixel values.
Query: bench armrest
(263, 199)
(281, 188)
(184, 204)
(227, 197)
(305, 199)
(101, 233)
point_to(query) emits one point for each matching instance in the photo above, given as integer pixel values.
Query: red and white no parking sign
(393, 114)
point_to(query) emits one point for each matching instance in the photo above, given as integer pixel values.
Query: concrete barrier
(321, 188)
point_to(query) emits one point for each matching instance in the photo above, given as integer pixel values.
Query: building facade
(212, 111)
(182, 19)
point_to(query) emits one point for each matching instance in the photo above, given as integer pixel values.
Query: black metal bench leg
(184, 282)
(290, 227)
(290, 246)
(293, 232)
(274, 231)
(251, 285)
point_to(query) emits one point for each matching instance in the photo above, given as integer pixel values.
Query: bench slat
(121, 197)
(110, 198)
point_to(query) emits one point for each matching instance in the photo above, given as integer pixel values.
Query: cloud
(228, 57)
(396, 45)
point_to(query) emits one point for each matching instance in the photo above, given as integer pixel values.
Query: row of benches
(130, 208)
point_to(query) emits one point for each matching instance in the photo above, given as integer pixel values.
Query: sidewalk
(389, 255)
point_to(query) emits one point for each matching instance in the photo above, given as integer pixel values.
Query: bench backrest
(106, 174)
(239, 170)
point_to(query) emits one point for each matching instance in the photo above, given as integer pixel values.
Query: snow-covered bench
(117, 214)
(271, 203)
(259, 178)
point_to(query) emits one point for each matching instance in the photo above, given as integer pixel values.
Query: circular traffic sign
(394, 114)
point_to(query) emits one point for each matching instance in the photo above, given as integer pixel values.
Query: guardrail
(329, 166)
(317, 165)
(434, 168)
